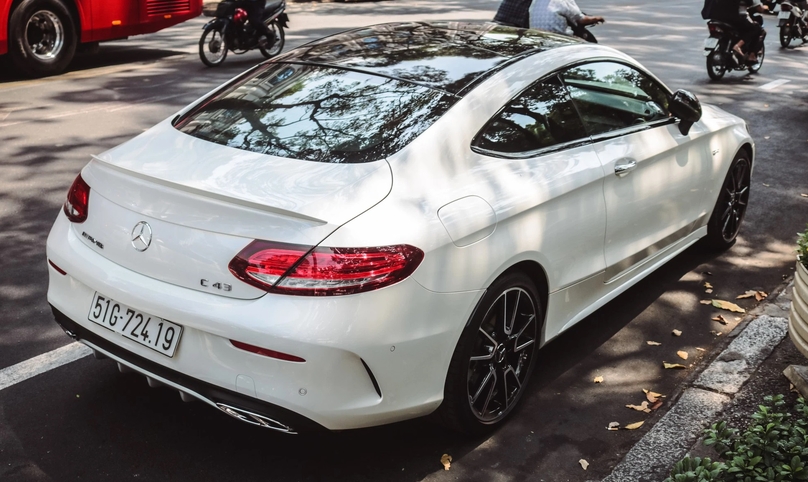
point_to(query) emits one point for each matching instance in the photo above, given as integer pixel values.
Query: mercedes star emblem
(141, 236)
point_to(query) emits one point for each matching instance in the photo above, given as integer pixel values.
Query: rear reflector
(78, 201)
(266, 352)
(58, 269)
(322, 271)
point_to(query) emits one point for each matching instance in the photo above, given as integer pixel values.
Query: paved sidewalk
(707, 398)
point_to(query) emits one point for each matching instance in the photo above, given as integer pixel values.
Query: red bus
(41, 36)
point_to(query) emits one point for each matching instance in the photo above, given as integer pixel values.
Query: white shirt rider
(554, 15)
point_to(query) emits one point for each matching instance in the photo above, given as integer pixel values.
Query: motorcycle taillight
(715, 29)
(240, 16)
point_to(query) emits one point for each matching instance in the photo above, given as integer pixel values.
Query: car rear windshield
(316, 113)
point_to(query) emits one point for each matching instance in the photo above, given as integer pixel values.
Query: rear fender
(283, 20)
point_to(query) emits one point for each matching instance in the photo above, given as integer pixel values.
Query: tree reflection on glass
(317, 113)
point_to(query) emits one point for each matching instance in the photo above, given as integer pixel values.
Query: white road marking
(774, 84)
(40, 364)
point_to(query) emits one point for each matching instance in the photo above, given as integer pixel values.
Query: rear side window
(540, 117)
(612, 96)
(316, 113)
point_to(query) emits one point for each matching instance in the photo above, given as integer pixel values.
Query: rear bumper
(228, 401)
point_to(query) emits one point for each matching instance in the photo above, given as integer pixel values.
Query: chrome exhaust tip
(255, 419)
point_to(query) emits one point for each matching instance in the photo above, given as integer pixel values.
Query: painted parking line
(774, 84)
(40, 364)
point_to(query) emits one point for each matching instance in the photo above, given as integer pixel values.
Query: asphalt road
(85, 421)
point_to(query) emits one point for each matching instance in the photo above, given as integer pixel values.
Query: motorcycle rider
(735, 13)
(255, 14)
(557, 16)
(513, 13)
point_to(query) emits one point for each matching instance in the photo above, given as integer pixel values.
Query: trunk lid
(204, 202)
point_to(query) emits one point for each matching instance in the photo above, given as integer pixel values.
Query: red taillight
(301, 270)
(267, 352)
(715, 30)
(78, 201)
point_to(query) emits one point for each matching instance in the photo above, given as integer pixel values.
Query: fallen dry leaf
(584, 463)
(672, 365)
(726, 305)
(653, 343)
(643, 407)
(446, 460)
(720, 319)
(598, 379)
(804, 195)
(761, 295)
(708, 291)
(652, 397)
(676, 333)
(700, 349)
(634, 426)
(716, 333)
(613, 426)
(706, 302)
(748, 294)
(682, 354)
(656, 405)
(708, 286)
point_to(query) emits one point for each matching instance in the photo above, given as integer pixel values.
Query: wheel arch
(747, 148)
(537, 274)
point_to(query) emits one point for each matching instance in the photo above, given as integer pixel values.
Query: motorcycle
(792, 23)
(231, 31)
(718, 49)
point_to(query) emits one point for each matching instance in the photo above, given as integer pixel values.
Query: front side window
(612, 96)
(540, 117)
(316, 113)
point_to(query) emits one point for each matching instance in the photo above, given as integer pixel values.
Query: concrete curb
(674, 434)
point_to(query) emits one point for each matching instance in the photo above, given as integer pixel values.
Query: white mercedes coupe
(389, 222)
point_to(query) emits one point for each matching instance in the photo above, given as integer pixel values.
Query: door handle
(624, 166)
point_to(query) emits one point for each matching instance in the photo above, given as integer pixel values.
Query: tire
(477, 394)
(42, 37)
(213, 46)
(785, 36)
(280, 41)
(755, 68)
(716, 66)
(730, 207)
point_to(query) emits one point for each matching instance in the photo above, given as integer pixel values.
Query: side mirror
(686, 107)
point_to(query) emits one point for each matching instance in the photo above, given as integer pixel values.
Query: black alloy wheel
(42, 37)
(494, 358)
(730, 208)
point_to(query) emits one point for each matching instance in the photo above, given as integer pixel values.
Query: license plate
(784, 15)
(710, 43)
(156, 333)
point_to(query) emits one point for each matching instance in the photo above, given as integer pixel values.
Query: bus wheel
(42, 37)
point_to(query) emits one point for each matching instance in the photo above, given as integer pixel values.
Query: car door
(654, 180)
(553, 202)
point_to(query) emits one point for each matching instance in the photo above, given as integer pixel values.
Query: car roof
(448, 56)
